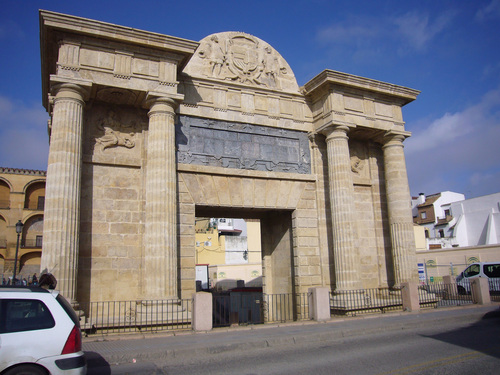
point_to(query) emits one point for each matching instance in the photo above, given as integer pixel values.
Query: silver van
(489, 270)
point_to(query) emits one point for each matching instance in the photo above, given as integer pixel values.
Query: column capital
(393, 139)
(155, 99)
(70, 87)
(335, 131)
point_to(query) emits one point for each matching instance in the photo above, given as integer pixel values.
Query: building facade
(228, 253)
(149, 132)
(22, 199)
(433, 212)
(477, 221)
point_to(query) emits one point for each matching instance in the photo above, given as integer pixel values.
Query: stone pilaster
(62, 194)
(399, 211)
(160, 239)
(341, 190)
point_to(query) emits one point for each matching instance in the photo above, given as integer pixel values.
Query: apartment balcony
(32, 243)
(445, 220)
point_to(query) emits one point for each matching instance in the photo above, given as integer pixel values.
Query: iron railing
(256, 308)
(494, 285)
(354, 302)
(135, 316)
(286, 307)
(442, 294)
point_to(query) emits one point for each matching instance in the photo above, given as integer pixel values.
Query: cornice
(30, 172)
(106, 30)
(331, 77)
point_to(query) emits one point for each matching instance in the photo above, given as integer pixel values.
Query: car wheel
(461, 290)
(26, 370)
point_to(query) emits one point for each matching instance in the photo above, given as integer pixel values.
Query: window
(441, 233)
(17, 315)
(423, 215)
(41, 203)
(492, 270)
(473, 270)
(447, 212)
(39, 241)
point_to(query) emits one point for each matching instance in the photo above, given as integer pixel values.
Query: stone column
(62, 193)
(160, 239)
(399, 211)
(341, 190)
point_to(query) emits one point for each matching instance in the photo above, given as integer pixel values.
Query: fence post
(319, 303)
(450, 286)
(201, 317)
(480, 290)
(410, 296)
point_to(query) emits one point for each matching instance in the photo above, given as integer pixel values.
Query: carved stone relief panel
(114, 134)
(241, 58)
(243, 146)
(359, 162)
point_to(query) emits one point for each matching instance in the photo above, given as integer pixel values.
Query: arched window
(35, 196)
(4, 195)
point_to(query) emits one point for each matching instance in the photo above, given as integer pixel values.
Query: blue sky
(449, 50)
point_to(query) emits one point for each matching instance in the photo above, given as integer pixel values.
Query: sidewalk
(121, 349)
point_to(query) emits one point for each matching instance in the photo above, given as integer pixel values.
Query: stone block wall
(111, 233)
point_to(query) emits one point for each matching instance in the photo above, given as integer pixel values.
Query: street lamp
(19, 229)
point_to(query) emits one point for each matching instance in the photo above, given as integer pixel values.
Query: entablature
(361, 103)
(114, 58)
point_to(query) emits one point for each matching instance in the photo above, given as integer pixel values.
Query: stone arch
(29, 264)
(5, 188)
(34, 193)
(33, 231)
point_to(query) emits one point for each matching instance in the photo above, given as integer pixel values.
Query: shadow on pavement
(481, 336)
(96, 364)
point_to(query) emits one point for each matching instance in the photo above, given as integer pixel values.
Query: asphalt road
(439, 346)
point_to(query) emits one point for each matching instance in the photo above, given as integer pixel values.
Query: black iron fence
(354, 302)
(244, 307)
(286, 307)
(441, 294)
(494, 285)
(135, 316)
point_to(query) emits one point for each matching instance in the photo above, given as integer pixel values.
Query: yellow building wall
(210, 248)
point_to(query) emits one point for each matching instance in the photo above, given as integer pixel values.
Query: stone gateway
(150, 131)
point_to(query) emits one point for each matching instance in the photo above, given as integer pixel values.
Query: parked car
(489, 270)
(39, 333)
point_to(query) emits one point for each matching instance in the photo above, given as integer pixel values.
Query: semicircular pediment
(241, 58)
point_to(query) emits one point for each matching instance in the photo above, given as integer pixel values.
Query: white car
(39, 333)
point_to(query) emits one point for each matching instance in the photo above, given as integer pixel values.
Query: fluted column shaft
(341, 190)
(160, 258)
(399, 211)
(62, 193)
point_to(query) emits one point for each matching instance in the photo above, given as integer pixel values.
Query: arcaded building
(22, 199)
(149, 132)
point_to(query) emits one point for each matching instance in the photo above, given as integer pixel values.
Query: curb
(334, 329)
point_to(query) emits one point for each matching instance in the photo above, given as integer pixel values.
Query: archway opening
(246, 255)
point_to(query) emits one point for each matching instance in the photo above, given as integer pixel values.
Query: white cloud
(418, 30)
(364, 37)
(23, 135)
(349, 33)
(454, 151)
(490, 11)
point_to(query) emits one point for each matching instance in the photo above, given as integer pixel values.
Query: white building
(450, 220)
(434, 213)
(477, 221)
